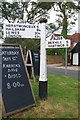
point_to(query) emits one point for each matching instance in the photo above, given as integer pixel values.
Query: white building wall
(75, 58)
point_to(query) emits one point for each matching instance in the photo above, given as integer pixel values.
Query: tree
(66, 15)
(15, 11)
(51, 28)
(38, 10)
(11, 11)
(35, 10)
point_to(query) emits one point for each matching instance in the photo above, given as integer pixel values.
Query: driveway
(72, 71)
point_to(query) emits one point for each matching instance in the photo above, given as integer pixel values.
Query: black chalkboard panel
(36, 62)
(16, 89)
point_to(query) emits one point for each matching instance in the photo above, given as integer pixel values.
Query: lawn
(62, 99)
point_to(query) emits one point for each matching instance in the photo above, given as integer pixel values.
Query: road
(72, 73)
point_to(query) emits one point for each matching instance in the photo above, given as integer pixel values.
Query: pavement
(73, 71)
(60, 66)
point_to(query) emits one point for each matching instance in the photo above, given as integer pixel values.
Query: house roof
(75, 37)
(76, 49)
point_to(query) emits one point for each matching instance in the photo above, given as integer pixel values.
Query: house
(75, 41)
(75, 38)
(75, 55)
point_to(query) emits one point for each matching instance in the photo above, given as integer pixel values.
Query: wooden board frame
(19, 110)
(30, 65)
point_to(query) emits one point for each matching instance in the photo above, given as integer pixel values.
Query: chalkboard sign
(17, 93)
(36, 62)
(33, 63)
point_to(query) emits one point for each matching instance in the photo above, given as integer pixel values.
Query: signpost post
(66, 61)
(43, 67)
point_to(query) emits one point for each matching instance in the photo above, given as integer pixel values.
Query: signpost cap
(43, 20)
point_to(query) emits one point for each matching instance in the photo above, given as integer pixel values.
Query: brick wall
(54, 59)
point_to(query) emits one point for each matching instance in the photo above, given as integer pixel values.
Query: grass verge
(62, 99)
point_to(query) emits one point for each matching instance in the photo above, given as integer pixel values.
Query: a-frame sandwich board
(17, 93)
(29, 64)
(33, 63)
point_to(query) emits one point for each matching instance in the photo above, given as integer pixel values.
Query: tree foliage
(36, 10)
(66, 17)
(26, 44)
(15, 11)
(11, 11)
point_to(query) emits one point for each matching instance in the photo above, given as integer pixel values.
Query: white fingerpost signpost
(59, 43)
(20, 30)
(43, 66)
(65, 43)
(17, 30)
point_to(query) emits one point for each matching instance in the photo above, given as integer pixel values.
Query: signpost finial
(43, 20)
